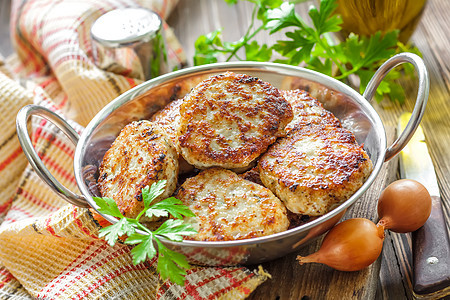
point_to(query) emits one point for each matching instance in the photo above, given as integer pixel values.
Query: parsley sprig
(312, 46)
(170, 264)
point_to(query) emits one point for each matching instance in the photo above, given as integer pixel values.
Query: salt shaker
(131, 42)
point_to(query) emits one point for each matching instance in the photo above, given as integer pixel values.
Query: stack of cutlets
(290, 153)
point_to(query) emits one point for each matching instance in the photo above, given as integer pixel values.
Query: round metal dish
(353, 110)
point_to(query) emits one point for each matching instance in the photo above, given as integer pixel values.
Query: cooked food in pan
(169, 119)
(295, 153)
(228, 207)
(307, 110)
(141, 155)
(319, 164)
(314, 168)
(229, 120)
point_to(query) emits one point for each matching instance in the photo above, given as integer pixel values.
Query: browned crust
(122, 181)
(265, 216)
(307, 110)
(169, 119)
(271, 114)
(332, 173)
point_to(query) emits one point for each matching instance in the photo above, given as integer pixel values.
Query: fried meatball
(141, 155)
(228, 207)
(169, 119)
(230, 119)
(307, 110)
(314, 168)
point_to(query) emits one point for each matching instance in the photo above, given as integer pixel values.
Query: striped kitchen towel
(50, 249)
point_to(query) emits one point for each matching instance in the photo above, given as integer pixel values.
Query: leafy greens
(170, 264)
(312, 45)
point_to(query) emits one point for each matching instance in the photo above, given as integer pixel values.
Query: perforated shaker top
(124, 26)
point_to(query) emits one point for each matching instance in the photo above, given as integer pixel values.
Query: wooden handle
(431, 252)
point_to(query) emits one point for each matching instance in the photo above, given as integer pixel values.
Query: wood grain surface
(390, 276)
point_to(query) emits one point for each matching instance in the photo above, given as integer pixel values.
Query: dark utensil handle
(431, 252)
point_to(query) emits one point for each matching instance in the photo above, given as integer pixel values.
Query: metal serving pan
(353, 110)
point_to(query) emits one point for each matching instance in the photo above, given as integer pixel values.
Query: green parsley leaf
(144, 249)
(324, 66)
(108, 206)
(268, 3)
(168, 206)
(397, 93)
(255, 52)
(114, 231)
(151, 193)
(297, 41)
(323, 19)
(376, 48)
(282, 17)
(364, 77)
(171, 264)
(207, 48)
(175, 230)
(297, 49)
(311, 46)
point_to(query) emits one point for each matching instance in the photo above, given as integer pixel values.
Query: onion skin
(404, 206)
(349, 246)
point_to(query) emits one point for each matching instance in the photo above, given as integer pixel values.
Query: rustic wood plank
(431, 37)
(395, 281)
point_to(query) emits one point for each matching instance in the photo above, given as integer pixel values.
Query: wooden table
(390, 276)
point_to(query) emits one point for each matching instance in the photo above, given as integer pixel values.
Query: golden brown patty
(307, 110)
(141, 155)
(314, 168)
(228, 120)
(169, 119)
(228, 207)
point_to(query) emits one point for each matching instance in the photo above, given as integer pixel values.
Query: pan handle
(34, 159)
(421, 100)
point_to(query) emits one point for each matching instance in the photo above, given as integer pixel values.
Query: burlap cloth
(49, 249)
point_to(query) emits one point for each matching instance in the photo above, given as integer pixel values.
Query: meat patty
(314, 168)
(169, 119)
(307, 110)
(141, 155)
(228, 207)
(230, 119)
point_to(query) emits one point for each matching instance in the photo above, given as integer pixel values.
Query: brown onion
(349, 246)
(404, 206)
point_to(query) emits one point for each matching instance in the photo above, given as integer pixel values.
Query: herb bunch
(172, 265)
(311, 46)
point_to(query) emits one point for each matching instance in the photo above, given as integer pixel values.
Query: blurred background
(5, 44)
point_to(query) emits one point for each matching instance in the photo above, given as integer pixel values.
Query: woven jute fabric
(50, 249)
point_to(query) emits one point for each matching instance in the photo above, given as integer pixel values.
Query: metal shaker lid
(124, 26)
